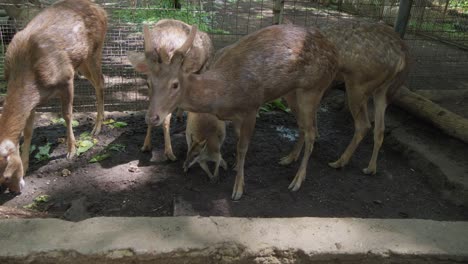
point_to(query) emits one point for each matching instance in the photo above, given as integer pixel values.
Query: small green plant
(99, 157)
(43, 152)
(85, 143)
(61, 121)
(117, 147)
(274, 105)
(106, 153)
(38, 202)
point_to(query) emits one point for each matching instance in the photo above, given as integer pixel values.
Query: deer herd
(183, 72)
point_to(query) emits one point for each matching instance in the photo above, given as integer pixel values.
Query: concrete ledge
(232, 240)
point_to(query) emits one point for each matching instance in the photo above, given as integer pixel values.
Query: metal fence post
(403, 16)
(278, 9)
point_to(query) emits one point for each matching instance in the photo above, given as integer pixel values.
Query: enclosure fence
(437, 35)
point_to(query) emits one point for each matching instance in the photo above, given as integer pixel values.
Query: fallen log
(441, 95)
(449, 122)
(11, 212)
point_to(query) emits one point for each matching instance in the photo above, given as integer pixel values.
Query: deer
(373, 61)
(205, 135)
(40, 64)
(259, 67)
(167, 36)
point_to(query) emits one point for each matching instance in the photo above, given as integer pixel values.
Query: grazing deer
(205, 135)
(11, 169)
(40, 64)
(260, 67)
(167, 36)
(374, 61)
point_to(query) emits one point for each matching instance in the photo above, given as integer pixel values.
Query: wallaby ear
(138, 60)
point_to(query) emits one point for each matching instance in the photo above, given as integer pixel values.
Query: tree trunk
(449, 122)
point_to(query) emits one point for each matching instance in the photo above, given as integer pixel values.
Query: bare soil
(133, 183)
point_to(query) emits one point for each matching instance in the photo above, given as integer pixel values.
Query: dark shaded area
(133, 183)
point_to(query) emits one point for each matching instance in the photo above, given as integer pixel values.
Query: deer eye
(175, 85)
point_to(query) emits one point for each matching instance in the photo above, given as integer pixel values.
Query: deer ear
(139, 62)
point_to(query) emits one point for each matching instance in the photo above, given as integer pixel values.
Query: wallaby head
(164, 69)
(11, 167)
(195, 153)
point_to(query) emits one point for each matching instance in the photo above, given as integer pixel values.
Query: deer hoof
(285, 161)
(170, 156)
(369, 171)
(96, 130)
(336, 165)
(70, 155)
(146, 148)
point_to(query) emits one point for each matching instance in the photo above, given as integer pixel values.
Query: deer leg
(308, 103)
(67, 112)
(216, 168)
(28, 131)
(147, 144)
(237, 132)
(380, 105)
(167, 138)
(358, 107)
(291, 99)
(92, 70)
(246, 127)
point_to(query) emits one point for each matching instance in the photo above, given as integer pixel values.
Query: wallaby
(205, 135)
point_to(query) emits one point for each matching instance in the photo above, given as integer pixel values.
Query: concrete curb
(232, 240)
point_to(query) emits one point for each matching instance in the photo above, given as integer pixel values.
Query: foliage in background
(189, 13)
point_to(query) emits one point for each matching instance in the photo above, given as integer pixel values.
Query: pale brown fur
(205, 135)
(260, 67)
(374, 61)
(40, 63)
(167, 36)
(11, 172)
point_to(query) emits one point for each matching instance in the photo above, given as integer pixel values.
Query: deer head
(163, 69)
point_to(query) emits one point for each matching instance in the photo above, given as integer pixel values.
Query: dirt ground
(132, 183)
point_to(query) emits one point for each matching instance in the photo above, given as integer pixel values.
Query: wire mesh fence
(437, 34)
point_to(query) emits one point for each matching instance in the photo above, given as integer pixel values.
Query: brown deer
(40, 64)
(260, 67)
(205, 135)
(167, 36)
(374, 61)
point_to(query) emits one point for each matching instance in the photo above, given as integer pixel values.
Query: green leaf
(39, 200)
(117, 147)
(61, 121)
(99, 157)
(83, 146)
(108, 121)
(32, 149)
(120, 124)
(43, 153)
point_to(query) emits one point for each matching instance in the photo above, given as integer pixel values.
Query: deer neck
(16, 110)
(202, 93)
